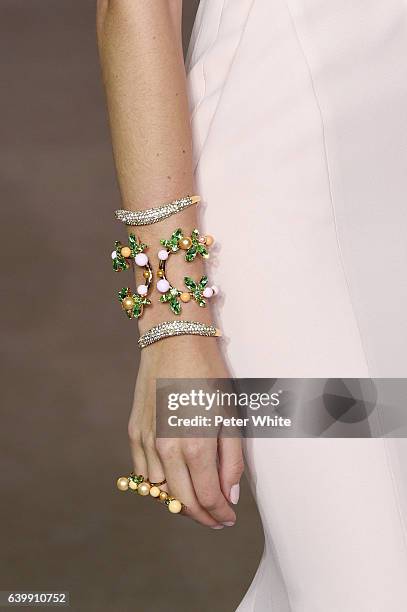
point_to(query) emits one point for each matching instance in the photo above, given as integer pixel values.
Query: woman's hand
(203, 473)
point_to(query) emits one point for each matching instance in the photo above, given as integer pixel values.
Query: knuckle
(166, 448)
(148, 440)
(134, 434)
(193, 451)
(209, 501)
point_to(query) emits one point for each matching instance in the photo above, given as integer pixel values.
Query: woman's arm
(144, 76)
(147, 102)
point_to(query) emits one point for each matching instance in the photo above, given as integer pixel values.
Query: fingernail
(218, 527)
(229, 524)
(234, 493)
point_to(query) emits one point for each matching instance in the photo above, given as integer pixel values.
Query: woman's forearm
(144, 77)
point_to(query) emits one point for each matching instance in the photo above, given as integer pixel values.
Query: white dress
(299, 115)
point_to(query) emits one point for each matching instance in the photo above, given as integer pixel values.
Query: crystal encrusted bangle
(177, 328)
(154, 215)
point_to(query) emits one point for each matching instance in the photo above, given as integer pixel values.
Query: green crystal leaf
(164, 298)
(137, 310)
(191, 253)
(175, 306)
(190, 283)
(203, 282)
(198, 298)
(135, 246)
(195, 234)
(123, 293)
(177, 235)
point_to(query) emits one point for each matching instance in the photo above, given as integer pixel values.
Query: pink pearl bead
(163, 285)
(142, 289)
(207, 292)
(163, 254)
(141, 259)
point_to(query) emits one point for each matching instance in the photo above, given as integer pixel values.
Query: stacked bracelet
(149, 216)
(195, 245)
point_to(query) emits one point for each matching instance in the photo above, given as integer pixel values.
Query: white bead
(175, 506)
(114, 255)
(141, 259)
(163, 285)
(207, 292)
(163, 254)
(142, 289)
(215, 290)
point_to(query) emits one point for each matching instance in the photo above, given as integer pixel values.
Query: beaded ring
(133, 303)
(144, 487)
(194, 246)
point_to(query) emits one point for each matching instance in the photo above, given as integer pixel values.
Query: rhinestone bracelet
(177, 328)
(154, 215)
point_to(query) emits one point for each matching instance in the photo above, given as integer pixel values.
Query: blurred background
(70, 359)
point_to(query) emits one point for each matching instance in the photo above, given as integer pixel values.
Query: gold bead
(175, 506)
(209, 240)
(155, 492)
(146, 274)
(133, 485)
(143, 489)
(163, 495)
(128, 303)
(185, 243)
(122, 483)
(185, 297)
(125, 251)
(160, 273)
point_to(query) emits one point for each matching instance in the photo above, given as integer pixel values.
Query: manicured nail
(218, 527)
(234, 493)
(229, 524)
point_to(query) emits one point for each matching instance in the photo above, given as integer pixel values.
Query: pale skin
(141, 56)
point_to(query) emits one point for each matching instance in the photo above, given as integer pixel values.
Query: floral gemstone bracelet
(194, 245)
(122, 257)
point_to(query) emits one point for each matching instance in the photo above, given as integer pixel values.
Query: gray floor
(71, 358)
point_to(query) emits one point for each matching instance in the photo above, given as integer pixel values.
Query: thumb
(231, 467)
